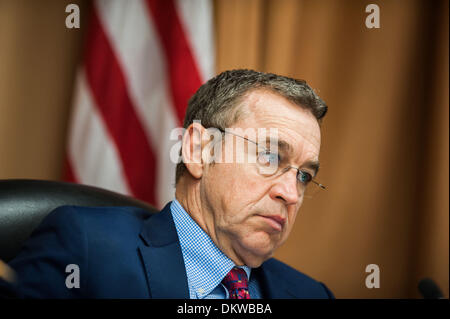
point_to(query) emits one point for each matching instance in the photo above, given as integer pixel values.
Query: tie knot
(236, 283)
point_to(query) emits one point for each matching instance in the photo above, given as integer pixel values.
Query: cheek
(237, 181)
(235, 190)
(220, 189)
(292, 215)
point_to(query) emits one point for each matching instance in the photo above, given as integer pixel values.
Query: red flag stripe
(109, 91)
(68, 174)
(183, 72)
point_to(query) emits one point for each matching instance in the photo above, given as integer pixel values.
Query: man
(216, 239)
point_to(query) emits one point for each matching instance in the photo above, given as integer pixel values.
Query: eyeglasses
(267, 162)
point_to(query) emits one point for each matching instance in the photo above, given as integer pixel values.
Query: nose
(285, 188)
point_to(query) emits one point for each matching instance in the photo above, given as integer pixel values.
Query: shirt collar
(206, 265)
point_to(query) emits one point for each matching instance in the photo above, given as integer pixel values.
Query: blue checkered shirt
(205, 264)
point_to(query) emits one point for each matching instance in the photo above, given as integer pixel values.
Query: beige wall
(385, 139)
(38, 58)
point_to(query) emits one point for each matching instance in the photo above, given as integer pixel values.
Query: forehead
(296, 125)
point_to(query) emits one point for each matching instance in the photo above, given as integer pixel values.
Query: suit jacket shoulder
(92, 239)
(124, 252)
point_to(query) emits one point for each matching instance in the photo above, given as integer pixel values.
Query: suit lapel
(161, 254)
(162, 257)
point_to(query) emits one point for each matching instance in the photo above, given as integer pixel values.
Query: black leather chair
(25, 203)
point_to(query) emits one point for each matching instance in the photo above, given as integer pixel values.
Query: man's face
(250, 215)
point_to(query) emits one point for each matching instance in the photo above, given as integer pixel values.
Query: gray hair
(216, 102)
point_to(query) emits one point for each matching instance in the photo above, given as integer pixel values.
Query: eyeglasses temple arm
(318, 184)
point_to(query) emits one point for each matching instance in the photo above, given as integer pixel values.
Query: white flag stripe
(94, 158)
(165, 190)
(134, 39)
(135, 43)
(196, 17)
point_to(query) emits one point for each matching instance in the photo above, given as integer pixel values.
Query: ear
(191, 149)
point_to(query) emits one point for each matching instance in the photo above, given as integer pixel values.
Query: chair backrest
(25, 203)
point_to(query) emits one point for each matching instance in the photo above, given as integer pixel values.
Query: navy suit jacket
(124, 252)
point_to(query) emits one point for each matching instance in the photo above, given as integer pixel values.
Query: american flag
(142, 62)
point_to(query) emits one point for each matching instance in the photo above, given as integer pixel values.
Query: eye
(267, 158)
(304, 177)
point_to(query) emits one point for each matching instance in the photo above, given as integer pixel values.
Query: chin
(258, 248)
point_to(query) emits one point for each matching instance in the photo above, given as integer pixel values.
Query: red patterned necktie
(237, 284)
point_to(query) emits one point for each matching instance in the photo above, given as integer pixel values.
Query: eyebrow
(314, 165)
(285, 147)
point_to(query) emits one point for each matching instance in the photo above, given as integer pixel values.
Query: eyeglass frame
(284, 170)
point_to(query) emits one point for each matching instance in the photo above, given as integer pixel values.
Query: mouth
(276, 222)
